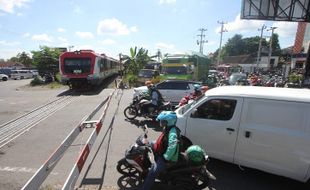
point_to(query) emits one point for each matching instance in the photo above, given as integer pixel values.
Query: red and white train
(85, 67)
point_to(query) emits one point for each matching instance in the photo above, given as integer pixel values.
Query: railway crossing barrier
(38, 178)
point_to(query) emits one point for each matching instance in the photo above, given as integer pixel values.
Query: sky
(113, 26)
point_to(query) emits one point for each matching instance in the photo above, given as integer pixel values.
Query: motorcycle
(135, 165)
(134, 109)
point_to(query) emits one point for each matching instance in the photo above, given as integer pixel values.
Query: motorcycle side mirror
(144, 128)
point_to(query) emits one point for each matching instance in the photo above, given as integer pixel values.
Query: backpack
(160, 97)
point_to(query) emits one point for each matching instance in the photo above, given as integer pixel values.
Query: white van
(258, 127)
(21, 74)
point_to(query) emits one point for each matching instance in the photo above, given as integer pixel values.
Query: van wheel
(4, 79)
(21, 77)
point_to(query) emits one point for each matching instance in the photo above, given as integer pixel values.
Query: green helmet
(195, 153)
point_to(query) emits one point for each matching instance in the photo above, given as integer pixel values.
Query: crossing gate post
(38, 178)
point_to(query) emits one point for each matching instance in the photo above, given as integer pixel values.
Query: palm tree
(136, 61)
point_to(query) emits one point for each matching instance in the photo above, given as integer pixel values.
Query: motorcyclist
(166, 147)
(197, 91)
(154, 98)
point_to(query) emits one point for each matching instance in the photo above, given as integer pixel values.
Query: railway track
(16, 127)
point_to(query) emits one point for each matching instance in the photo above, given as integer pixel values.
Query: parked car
(4, 77)
(148, 74)
(21, 74)
(257, 127)
(34, 73)
(171, 90)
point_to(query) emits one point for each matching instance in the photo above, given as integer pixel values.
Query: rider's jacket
(167, 144)
(155, 96)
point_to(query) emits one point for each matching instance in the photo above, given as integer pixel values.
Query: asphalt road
(23, 156)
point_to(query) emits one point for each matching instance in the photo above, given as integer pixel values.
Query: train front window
(77, 65)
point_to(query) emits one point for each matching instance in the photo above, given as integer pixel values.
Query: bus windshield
(175, 70)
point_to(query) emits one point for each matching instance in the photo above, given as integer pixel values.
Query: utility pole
(201, 42)
(270, 44)
(222, 31)
(70, 47)
(260, 44)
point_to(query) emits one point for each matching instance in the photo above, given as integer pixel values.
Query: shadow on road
(91, 90)
(149, 123)
(108, 135)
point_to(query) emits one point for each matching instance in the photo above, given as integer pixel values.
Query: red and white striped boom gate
(38, 178)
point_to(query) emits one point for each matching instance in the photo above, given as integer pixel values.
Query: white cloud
(84, 35)
(62, 39)
(6, 43)
(42, 38)
(161, 45)
(83, 47)
(167, 1)
(211, 43)
(285, 29)
(242, 26)
(8, 53)
(133, 29)
(61, 29)
(8, 6)
(114, 27)
(26, 35)
(107, 42)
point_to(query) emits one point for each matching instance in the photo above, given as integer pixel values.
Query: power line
(201, 42)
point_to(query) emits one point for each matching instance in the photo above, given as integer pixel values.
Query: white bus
(21, 74)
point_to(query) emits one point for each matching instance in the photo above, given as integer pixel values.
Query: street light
(270, 43)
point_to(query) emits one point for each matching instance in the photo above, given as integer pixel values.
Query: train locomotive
(86, 68)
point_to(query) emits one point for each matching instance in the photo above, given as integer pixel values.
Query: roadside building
(249, 64)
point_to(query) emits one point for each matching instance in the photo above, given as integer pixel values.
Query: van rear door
(273, 137)
(214, 123)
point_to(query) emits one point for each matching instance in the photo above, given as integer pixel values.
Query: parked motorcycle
(137, 161)
(134, 109)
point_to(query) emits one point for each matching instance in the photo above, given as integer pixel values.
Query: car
(171, 90)
(34, 73)
(238, 79)
(21, 74)
(148, 74)
(4, 77)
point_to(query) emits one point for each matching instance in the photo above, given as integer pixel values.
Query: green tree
(241, 46)
(46, 60)
(14, 59)
(136, 61)
(25, 59)
(276, 49)
(234, 46)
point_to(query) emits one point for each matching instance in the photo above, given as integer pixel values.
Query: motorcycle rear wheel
(129, 182)
(130, 112)
(124, 168)
(201, 180)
